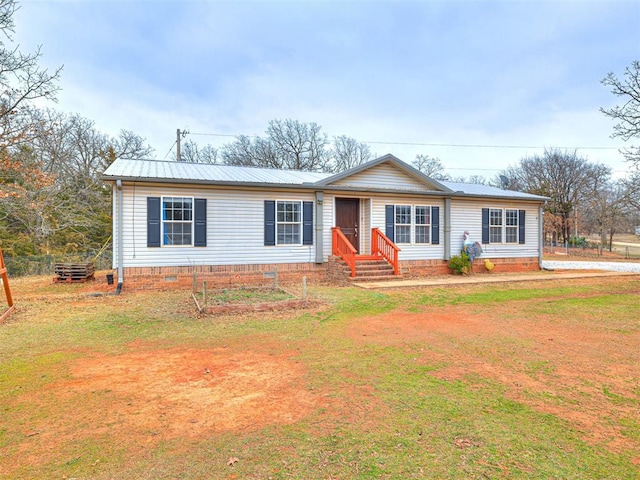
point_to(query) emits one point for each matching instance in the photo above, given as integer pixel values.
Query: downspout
(447, 229)
(120, 224)
(319, 227)
(540, 236)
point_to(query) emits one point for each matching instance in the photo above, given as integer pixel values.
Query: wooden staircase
(382, 265)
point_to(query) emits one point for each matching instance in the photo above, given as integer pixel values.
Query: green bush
(580, 242)
(460, 264)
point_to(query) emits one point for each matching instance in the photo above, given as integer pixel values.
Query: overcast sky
(497, 74)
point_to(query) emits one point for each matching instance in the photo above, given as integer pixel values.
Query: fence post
(204, 293)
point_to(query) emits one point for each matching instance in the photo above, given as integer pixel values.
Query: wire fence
(19, 266)
(588, 249)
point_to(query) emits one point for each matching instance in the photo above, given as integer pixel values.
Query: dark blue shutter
(521, 226)
(389, 221)
(153, 222)
(485, 225)
(269, 222)
(200, 216)
(435, 225)
(307, 223)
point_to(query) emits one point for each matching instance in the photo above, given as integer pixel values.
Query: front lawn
(534, 380)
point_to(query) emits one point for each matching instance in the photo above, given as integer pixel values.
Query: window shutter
(485, 225)
(435, 225)
(307, 223)
(200, 215)
(521, 214)
(153, 222)
(390, 214)
(269, 222)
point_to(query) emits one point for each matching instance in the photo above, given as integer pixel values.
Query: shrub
(460, 264)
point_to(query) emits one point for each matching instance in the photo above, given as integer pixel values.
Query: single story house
(229, 224)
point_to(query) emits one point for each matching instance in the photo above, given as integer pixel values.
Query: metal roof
(138, 170)
(202, 173)
(487, 191)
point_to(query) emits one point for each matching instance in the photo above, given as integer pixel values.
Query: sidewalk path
(448, 280)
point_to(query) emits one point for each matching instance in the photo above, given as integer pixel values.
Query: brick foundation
(220, 276)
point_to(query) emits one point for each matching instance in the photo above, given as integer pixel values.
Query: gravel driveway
(609, 266)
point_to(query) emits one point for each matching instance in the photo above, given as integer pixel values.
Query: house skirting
(221, 276)
(426, 268)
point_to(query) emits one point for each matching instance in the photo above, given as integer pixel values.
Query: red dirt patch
(156, 394)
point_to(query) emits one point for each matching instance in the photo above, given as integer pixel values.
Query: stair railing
(381, 245)
(341, 247)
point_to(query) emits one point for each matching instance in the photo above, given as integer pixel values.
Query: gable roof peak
(396, 163)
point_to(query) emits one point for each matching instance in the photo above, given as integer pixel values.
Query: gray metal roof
(157, 170)
(184, 172)
(487, 191)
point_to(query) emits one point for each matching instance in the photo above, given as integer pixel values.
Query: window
(403, 224)
(503, 225)
(422, 221)
(288, 222)
(495, 225)
(511, 226)
(177, 220)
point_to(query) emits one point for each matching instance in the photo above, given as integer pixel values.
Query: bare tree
(246, 152)
(289, 144)
(430, 166)
(628, 114)
(606, 209)
(347, 153)
(299, 146)
(191, 152)
(67, 199)
(22, 81)
(564, 177)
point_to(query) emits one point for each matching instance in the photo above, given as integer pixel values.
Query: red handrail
(381, 245)
(342, 248)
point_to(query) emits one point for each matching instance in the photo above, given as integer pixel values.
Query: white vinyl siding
(466, 215)
(410, 251)
(387, 176)
(235, 229)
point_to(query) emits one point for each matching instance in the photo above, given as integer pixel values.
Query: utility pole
(179, 135)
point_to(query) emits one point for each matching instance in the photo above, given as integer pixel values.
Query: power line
(171, 148)
(426, 144)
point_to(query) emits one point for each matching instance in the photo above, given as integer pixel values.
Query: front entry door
(347, 215)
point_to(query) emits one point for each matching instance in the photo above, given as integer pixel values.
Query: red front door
(347, 215)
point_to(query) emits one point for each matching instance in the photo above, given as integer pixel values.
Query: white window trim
(396, 224)
(515, 227)
(412, 225)
(503, 226)
(427, 225)
(163, 221)
(300, 223)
